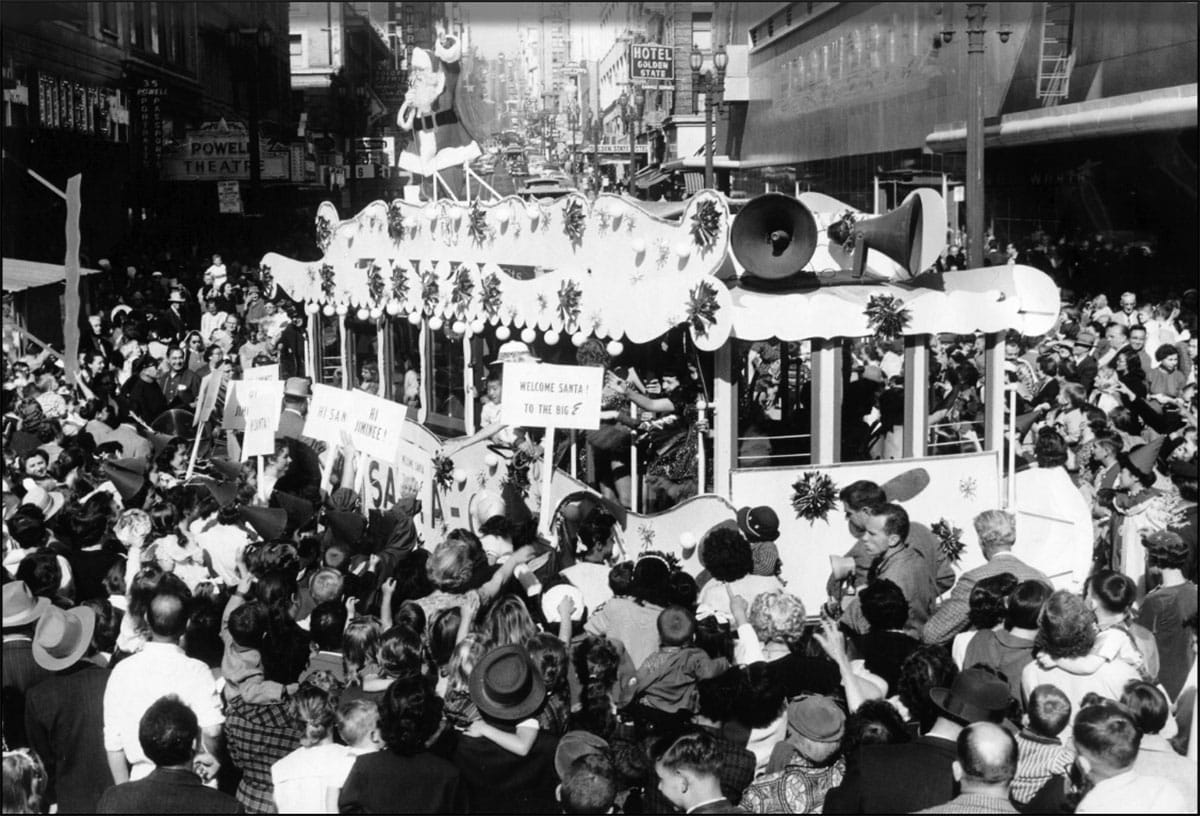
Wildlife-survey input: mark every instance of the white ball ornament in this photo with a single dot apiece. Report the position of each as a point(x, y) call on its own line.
point(528, 336)
point(687, 541)
point(502, 216)
point(435, 323)
point(393, 307)
point(683, 249)
point(477, 326)
point(328, 310)
point(503, 333)
point(460, 476)
point(491, 460)
point(362, 314)
point(376, 312)
point(614, 348)
point(312, 307)
point(578, 339)
point(414, 318)
point(638, 245)
point(459, 327)
point(551, 337)
point(342, 309)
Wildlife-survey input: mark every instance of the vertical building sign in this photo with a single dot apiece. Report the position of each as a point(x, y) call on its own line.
point(150, 96)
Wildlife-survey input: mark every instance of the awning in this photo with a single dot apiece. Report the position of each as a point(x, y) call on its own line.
point(20, 275)
point(645, 179)
point(1171, 108)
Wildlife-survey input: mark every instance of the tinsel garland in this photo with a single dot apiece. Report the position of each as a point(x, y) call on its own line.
point(375, 283)
point(328, 288)
point(949, 538)
point(706, 223)
point(464, 287)
point(574, 220)
point(399, 283)
point(477, 225)
point(443, 471)
point(395, 221)
point(670, 559)
point(518, 471)
point(489, 295)
point(886, 316)
point(814, 495)
point(568, 303)
point(702, 307)
point(429, 291)
point(324, 231)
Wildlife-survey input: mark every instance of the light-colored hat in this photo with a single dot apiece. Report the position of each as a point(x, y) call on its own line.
point(176, 296)
point(514, 351)
point(61, 638)
point(49, 502)
point(20, 605)
point(297, 387)
point(553, 596)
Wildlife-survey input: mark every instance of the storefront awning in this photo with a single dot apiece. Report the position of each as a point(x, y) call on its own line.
point(1171, 108)
point(647, 178)
point(20, 275)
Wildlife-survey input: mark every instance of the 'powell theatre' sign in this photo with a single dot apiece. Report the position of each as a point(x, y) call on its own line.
point(221, 154)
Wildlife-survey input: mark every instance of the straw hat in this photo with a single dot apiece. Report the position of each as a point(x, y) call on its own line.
point(61, 638)
point(49, 502)
point(21, 607)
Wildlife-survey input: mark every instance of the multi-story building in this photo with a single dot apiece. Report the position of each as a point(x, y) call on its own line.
point(117, 91)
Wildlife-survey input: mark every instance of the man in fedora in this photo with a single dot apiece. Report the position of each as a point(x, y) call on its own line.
point(172, 323)
point(296, 393)
point(507, 689)
point(1085, 363)
point(22, 611)
point(63, 714)
point(919, 774)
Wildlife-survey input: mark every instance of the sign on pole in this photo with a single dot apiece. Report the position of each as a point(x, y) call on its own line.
point(234, 418)
point(262, 399)
point(536, 395)
point(378, 425)
point(652, 65)
point(330, 412)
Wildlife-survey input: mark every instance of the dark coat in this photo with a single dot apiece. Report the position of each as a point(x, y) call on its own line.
point(896, 778)
point(167, 790)
point(501, 782)
point(384, 782)
point(64, 718)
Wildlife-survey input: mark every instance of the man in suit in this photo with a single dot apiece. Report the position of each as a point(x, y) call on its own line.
point(689, 774)
point(910, 776)
point(997, 533)
point(986, 765)
point(169, 733)
point(296, 393)
point(1085, 364)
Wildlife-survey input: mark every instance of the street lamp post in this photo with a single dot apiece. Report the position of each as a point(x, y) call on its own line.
point(264, 38)
point(631, 105)
point(712, 88)
point(572, 122)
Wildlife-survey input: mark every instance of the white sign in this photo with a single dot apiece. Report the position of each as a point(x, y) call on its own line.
point(261, 415)
point(378, 425)
point(551, 396)
point(234, 418)
point(383, 480)
point(330, 412)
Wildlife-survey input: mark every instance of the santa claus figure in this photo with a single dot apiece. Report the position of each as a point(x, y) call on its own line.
point(440, 137)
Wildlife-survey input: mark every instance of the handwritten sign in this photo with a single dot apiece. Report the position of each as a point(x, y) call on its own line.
point(551, 396)
point(330, 412)
point(383, 479)
point(234, 418)
point(378, 424)
point(261, 398)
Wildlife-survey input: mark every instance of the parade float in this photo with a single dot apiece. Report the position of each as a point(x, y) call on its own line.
point(457, 278)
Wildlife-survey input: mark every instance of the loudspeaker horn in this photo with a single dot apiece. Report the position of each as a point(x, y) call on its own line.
point(773, 238)
point(912, 235)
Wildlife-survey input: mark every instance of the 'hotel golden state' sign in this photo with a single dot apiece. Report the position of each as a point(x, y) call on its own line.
point(218, 155)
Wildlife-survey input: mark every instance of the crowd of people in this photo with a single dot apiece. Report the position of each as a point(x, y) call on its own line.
point(215, 637)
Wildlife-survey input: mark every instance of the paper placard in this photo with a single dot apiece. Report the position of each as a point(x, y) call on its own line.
point(378, 424)
point(537, 395)
point(382, 481)
point(260, 437)
point(330, 412)
point(234, 416)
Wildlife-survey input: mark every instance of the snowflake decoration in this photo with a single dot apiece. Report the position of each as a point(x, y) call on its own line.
point(968, 487)
point(646, 535)
point(637, 277)
point(510, 315)
point(544, 219)
point(595, 319)
point(663, 252)
point(629, 225)
point(675, 320)
point(605, 220)
point(542, 303)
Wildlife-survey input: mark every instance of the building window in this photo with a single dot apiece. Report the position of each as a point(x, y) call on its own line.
point(296, 50)
point(143, 28)
point(109, 24)
point(72, 14)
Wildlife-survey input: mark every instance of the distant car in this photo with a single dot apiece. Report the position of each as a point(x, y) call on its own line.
point(538, 187)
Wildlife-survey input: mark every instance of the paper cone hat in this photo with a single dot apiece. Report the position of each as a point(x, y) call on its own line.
point(269, 522)
point(907, 485)
point(223, 468)
point(347, 527)
point(1143, 457)
point(160, 441)
point(1025, 422)
point(127, 475)
point(224, 492)
point(299, 511)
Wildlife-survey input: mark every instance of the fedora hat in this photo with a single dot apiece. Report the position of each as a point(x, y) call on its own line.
point(61, 638)
point(128, 476)
point(269, 522)
point(1085, 339)
point(574, 745)
point(505, 684)
point(49, 502)
point(758, 523)
point(975, 696)
point(297, 387)
point(20, 605)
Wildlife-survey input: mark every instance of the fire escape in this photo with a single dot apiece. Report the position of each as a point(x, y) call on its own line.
point(1057, 57)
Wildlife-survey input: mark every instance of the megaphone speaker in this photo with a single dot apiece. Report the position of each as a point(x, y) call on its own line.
point(912, 235)
point(773, 238)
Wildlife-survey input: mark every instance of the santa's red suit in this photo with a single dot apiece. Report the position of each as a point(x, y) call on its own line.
point(440, 139)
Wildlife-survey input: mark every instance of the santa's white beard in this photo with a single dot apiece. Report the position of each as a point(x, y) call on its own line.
point(425, 94)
